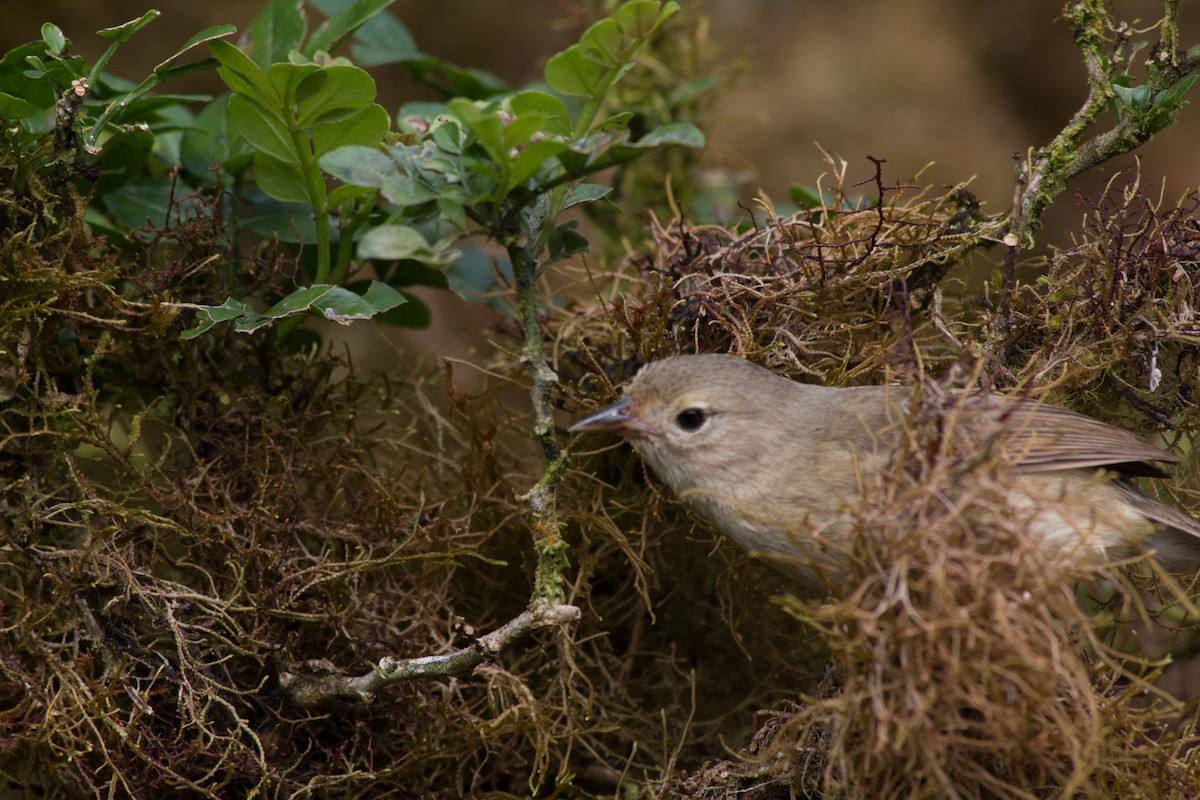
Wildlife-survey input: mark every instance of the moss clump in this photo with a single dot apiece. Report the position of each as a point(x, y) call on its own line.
point(185, 522)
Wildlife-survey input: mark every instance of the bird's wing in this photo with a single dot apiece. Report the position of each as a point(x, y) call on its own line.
point(1044, 438)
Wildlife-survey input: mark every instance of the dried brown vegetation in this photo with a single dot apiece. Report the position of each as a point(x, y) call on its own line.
point(966, 665)
point(185, 522)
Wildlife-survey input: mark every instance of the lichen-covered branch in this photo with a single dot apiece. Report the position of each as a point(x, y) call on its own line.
point(1140, 113)
point(315, 682)
point(312, 683)
point(551, 548)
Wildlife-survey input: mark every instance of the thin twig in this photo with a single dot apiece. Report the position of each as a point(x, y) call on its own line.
point(310, 690)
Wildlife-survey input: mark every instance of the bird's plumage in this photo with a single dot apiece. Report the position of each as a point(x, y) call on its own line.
point(779, 466)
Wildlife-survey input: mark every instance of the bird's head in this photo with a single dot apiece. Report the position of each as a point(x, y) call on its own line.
point(684, 413)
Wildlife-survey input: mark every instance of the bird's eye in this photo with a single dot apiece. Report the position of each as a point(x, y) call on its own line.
point(691, 419)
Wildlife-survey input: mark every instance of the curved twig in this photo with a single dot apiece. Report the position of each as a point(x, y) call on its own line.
point(313, 683)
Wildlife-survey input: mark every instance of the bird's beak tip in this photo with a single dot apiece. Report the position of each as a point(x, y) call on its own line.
point(617, 417)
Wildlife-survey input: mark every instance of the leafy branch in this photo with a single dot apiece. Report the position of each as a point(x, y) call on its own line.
point(505, 168)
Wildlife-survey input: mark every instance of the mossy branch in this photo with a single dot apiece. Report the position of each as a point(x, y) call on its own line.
point(313, 683)
point(552, 549)
point(1043, 173)
point(323, 684)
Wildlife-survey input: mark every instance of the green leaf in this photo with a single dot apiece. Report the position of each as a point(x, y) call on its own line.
point(210, 141)
point(122, 33)
point(641, 18)
point(346, 193)
point(448, 136)
point(14, 107)
point(404, 191)
point(420, 117)
point(291, 222)
point(531, 159)
point(297, 302)
point(284, 78)
point(277, 31)
point(690, 91)
point(602, 42)
point(280, 179)
point(407, 272)
point(366, 128)
point(586, 193)
point(589, 145)
point(358, 165)
point(413, 314)
point(123, 156)
point(679, 133)
point(162, 111)
point(453, 212)
point(393, 242)
point(570, 73)
point(384, 40)
point(53, 36)
point(141, 202)
point(242, 75)
point(521, 129)
point(36, 87)
point(118, 36)
point(333, 302)
point(616, 122)
point(208, 316)
point(390, 242)
point(207, 35)
point(475, 84)
point(342, 25)
point(674, 133)
point(473, 278)
point(333, 93)
point(1136, 98)
point(805, 196)
point(556, 120)
point(565, 241)
point(262, 128)
point(1169, 100)
point(486, 126)
point(344, 306)
point(39, 68)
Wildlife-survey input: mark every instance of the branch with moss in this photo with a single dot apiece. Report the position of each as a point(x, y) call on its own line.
point(316, 682)
point(551, 548)
point(313, 683)
point(1139, 113)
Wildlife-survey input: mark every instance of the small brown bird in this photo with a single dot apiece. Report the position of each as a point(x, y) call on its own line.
point(780, 466)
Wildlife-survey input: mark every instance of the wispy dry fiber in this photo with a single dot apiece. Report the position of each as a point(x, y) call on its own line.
point(967, 667)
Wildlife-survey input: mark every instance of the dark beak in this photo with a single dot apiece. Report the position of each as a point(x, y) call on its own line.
point(617, 417)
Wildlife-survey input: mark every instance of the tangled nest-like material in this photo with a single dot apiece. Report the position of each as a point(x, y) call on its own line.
point(186, 521)
point(966, 663)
